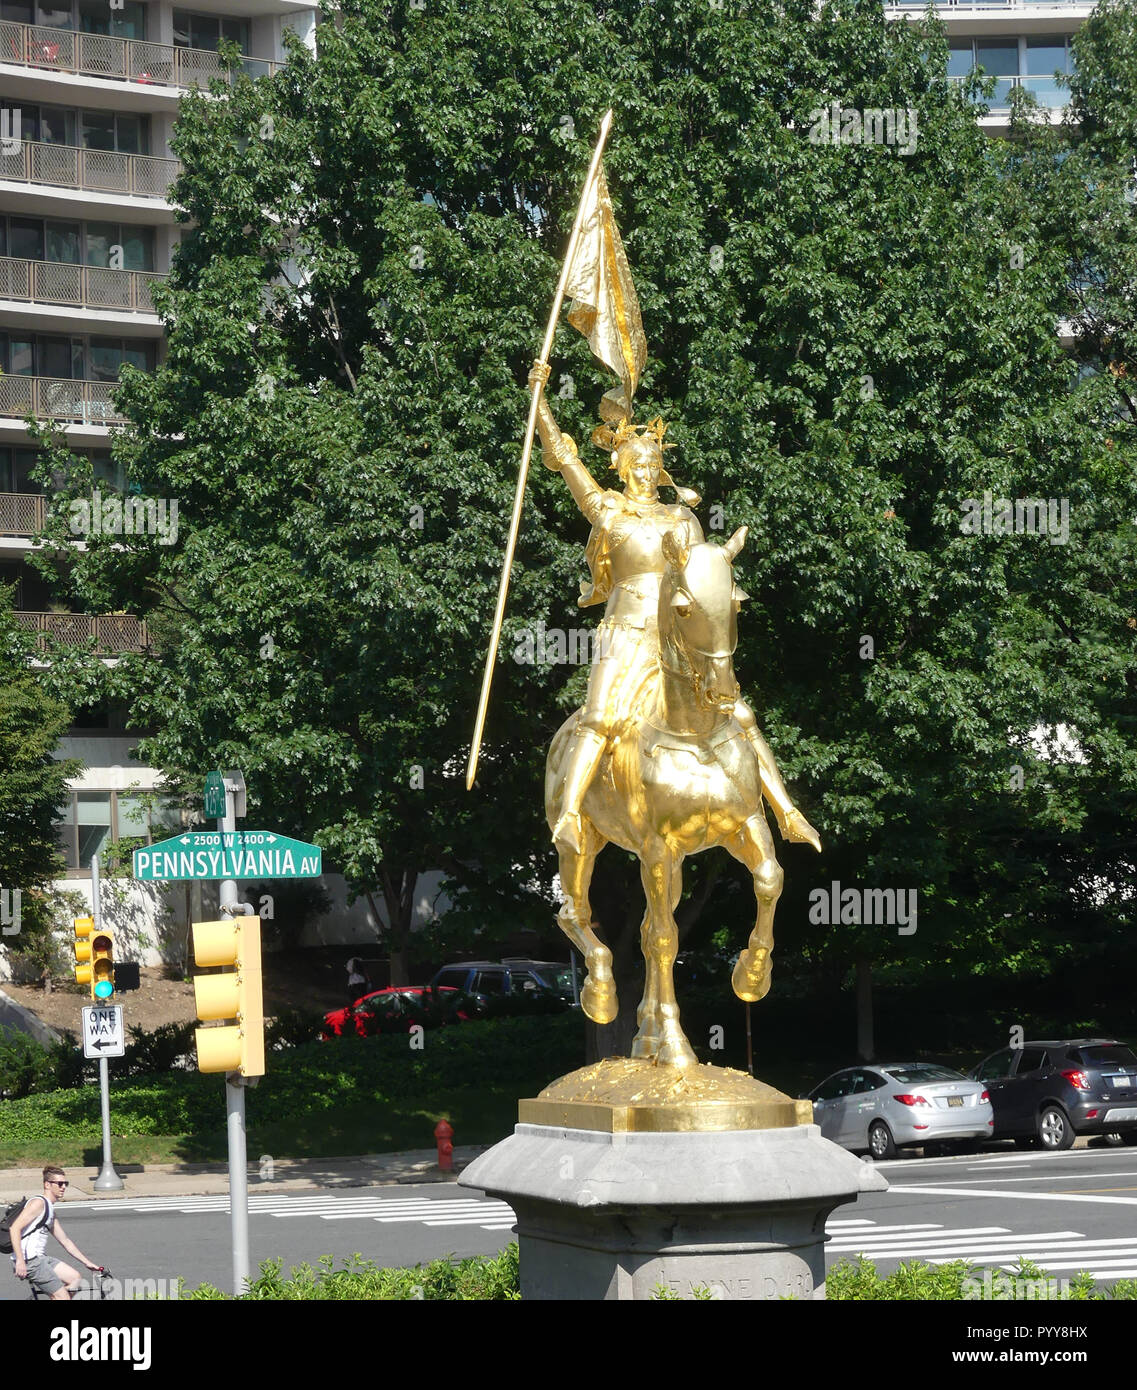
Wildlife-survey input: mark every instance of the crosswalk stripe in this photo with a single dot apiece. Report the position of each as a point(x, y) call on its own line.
point(935, 1233)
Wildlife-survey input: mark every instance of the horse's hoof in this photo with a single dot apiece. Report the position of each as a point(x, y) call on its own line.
point(568, 834)
point(598, 1000)
point(646, 1049)
point(751, 978)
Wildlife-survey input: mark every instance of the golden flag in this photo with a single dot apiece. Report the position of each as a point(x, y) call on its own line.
point(604, 305)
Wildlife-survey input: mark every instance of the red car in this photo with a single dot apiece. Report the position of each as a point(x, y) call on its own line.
point(395, 1010)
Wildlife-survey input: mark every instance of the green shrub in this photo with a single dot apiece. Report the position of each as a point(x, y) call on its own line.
point(292, 1028)
point(166, 1049)
point(481, 1277)
point(26, 1066)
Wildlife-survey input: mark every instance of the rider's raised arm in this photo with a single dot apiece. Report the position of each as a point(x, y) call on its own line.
point(559, 453)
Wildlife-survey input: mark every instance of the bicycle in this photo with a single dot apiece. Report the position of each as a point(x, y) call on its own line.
point(101, 1289)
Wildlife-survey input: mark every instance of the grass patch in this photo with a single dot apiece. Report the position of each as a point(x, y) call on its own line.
point(318, 1100)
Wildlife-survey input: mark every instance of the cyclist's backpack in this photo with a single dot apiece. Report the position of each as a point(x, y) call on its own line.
point(10, 1213)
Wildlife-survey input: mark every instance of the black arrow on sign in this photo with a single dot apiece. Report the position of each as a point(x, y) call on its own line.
point(102, 1042)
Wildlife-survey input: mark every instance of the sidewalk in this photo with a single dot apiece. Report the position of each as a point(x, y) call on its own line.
point(279, 1175)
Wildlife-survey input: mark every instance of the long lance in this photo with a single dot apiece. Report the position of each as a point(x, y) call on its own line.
point(523, 473)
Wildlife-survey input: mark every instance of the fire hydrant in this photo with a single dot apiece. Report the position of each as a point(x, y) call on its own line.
point(444, 1136)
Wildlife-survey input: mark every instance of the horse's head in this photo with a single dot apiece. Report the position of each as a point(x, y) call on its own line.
point(698, 608)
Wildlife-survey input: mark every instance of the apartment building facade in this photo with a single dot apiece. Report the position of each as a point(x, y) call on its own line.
point(89, 93)
point(1021, 43)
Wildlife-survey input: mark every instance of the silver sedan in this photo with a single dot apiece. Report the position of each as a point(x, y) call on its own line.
point(893, 1105)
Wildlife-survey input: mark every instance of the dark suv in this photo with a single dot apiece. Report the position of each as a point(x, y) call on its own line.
point(514, 976)
point(1048, 1092)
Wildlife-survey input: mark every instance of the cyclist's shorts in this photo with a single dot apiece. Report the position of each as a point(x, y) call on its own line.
point(42, 1275)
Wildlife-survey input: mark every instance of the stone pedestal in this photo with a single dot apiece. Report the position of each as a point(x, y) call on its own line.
point(616, 1210)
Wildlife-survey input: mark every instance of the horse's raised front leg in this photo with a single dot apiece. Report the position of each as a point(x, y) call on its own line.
point(754, 846)
point(659, 870)
point(598, 996)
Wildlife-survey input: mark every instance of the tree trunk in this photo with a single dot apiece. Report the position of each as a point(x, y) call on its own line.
point(398, 888)
point(865, 1048)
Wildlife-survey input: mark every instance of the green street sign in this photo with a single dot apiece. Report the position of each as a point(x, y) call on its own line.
point(218, 854)
point(214, 796)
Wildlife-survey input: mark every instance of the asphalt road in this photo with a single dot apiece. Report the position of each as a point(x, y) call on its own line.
point(1066, 1212)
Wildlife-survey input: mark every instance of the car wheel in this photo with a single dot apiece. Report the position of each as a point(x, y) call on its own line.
point(1129, 1136)
point(881, 1144)
point(1054, 1129)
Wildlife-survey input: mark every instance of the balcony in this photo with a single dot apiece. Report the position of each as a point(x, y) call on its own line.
point(1045, 90)
point(112, 633)
point(119, 60)
point(98, 171)
point(84, 286)
point(56, 398)
point(22, 513)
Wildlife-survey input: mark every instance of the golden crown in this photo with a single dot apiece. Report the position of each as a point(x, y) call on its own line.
point(607, 437)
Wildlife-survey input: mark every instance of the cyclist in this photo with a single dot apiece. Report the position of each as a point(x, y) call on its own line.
point(29, 1233)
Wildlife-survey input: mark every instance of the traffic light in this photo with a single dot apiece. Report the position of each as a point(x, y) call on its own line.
point(84, 926)
point(102, 964)
point(239, 1046)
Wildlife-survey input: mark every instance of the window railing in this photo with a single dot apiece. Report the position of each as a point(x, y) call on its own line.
point(1045, 90)
point(112, 633)
point(1079, 6)
point(99, 171)
point(85, 286)
point(22, 513)
point(56, 398)
point(121, 60)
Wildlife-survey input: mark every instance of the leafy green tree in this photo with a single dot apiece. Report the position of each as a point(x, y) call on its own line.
point(33, 785)
point(850, 341)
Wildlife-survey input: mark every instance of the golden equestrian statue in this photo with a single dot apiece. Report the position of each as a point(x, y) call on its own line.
point(664, 758)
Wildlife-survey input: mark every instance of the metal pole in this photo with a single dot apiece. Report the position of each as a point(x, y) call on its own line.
point(108, 1180)
point(235, 1104)
point(530, 430)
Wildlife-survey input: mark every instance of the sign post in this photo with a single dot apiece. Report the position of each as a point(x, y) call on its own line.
point(226, 855)
point(234, 1081)
point(108, 1180)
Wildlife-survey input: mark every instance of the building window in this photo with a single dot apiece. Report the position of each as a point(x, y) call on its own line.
point(93, 130)
point(89, 821)
point(16, 470)
point(113, 245)
point(74, 359)
point(1023, 61)
point(206, 30)
point(88, 16)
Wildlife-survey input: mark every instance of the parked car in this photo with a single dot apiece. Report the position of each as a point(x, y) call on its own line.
point(486, 978)
point(1046, 1093)
point(895, 1105)
point(395, 1010)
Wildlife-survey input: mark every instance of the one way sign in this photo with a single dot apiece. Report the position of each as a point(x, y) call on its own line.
point(103, 1031)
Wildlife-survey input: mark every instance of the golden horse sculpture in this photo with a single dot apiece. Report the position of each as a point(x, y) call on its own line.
point(680, 775)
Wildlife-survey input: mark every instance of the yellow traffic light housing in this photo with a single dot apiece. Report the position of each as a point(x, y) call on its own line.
point(84, 926)
point(102, 964)
point(238, 1046)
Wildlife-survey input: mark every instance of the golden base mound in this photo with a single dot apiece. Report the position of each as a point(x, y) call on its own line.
point(623, 1095)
